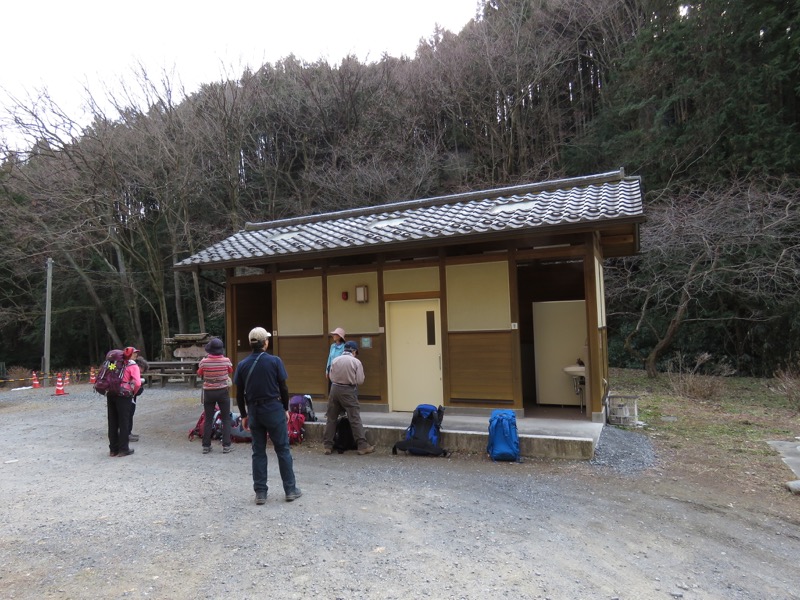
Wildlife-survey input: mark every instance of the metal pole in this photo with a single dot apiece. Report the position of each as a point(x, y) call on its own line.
point(47, 311)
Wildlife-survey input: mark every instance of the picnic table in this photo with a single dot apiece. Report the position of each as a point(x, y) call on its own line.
point(164, 371)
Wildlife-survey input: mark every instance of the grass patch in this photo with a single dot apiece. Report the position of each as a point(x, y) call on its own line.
point(728, 430)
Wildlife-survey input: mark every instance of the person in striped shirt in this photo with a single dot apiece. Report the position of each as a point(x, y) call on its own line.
point(215, 370)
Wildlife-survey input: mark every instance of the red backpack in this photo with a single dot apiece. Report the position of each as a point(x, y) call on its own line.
point(296, 426)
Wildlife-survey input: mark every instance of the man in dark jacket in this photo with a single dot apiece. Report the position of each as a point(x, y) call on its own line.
point(263, 400)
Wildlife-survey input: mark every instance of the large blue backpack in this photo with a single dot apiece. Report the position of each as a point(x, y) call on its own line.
point(503, 437)
point(424, 434)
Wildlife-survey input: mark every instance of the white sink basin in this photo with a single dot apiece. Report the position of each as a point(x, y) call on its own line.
point(575, 371)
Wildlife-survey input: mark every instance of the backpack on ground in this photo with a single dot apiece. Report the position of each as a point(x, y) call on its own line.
point(296, 426)
point(424, 434)
point(109, 377)
point(239, 435)
point(503, 438)
point(197, 430)
point(216, 428)
point(343, 439)
point(304, 406)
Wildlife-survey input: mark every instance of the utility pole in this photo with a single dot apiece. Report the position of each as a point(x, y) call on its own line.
point(47, 310)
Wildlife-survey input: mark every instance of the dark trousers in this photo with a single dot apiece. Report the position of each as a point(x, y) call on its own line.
point(119, 419)
point(130, 420)
point(263, 420)
point(344, 399)
point(212, 399)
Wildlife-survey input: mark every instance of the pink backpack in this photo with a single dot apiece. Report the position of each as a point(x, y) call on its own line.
point(296, 426)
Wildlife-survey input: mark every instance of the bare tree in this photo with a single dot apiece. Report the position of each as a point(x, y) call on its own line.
point(727, 253)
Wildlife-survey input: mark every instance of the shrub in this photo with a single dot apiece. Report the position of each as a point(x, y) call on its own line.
point(788, 382)
point(702, 381)
point(15, 374)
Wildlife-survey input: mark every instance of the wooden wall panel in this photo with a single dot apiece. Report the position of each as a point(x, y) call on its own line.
point(305, 357)
point(481, 368)
point(374, 362)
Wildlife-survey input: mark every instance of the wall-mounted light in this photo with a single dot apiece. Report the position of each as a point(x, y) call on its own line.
point(362, 294)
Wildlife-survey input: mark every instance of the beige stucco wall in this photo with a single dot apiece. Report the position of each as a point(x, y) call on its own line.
point(478, 297)
point(423, 279)
point(349, 314)
point(299, 306)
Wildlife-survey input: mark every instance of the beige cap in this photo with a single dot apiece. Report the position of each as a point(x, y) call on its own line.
point(259, 334)
point(338, 331)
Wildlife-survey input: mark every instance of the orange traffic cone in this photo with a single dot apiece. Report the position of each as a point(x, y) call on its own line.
point(35, 383)
point(92, 376)
point(60, 386)
point(66, 380)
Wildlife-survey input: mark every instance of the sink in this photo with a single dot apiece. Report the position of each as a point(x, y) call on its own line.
point(575, 370)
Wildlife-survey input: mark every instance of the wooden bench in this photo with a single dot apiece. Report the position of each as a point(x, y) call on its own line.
point(172, 370)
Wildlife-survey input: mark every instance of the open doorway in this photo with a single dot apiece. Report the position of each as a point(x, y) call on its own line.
point(252, 307)
point(539, 281)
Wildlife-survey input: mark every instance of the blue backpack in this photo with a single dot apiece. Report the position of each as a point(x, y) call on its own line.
point(503, 437)
point(423, 435)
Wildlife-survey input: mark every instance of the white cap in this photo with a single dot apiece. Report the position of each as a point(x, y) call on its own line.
point(259, 334)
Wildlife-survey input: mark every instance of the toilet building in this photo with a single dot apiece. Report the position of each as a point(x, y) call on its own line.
point(480, 300)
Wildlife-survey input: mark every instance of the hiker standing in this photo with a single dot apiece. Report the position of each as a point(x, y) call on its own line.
point(263, 400)
point(336, 350)
point(346, 374)
point(215, 370)
point(135, 355)
point(119, 409)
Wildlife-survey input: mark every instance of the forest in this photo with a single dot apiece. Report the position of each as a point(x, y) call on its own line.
point(700, 99)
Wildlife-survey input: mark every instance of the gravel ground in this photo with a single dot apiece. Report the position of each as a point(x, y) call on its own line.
point(624, 451)
point(169, 522)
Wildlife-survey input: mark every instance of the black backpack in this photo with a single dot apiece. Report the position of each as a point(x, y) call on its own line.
point(424, 434)
point(343, 438)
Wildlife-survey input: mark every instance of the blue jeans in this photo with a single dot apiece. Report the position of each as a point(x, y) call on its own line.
point(265, 420)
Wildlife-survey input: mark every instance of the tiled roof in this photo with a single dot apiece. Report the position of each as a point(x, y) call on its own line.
point(595, 199)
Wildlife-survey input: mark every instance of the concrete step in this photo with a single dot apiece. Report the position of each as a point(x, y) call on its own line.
point(545, 445)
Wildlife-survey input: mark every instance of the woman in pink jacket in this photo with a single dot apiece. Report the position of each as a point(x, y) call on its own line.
point(119, 407)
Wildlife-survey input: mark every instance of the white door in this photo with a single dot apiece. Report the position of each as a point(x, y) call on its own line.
point(414, 353)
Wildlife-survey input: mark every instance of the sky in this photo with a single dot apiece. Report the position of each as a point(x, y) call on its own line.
point(64, 46)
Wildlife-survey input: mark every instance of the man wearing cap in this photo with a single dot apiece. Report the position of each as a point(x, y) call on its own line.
point(346, 374)
point(263, 400)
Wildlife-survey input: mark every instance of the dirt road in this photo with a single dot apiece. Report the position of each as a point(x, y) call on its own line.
point(169, 522)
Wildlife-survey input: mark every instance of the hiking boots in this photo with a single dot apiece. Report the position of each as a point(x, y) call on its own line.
point(126, 453)
point(134, 437)
point(227, 449)
point(293, 495)
point(261, 497)
point(366, 450)
point(206, 449)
